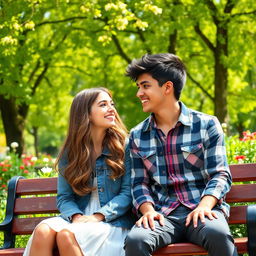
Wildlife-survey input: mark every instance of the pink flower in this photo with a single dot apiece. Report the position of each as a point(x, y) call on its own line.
point(25, 171)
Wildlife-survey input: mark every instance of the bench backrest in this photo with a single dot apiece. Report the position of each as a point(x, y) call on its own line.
point(38, 197)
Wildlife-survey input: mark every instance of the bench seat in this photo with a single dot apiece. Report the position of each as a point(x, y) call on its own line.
point(31, 200)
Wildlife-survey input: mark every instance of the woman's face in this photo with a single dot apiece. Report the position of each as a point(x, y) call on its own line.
point(103, 112)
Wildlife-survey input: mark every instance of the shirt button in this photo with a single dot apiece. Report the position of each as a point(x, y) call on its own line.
point(101, 189)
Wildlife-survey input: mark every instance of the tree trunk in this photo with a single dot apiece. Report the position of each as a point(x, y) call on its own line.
point(35, 135)
point(221, 74)
point(13, 118)
point(173, 42)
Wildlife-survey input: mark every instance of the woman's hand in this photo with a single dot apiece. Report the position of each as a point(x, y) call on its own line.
point(96, 217)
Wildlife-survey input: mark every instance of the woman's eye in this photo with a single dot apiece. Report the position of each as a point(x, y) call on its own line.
point(103, 105)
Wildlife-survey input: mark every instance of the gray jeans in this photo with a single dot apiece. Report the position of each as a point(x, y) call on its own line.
point(214, 235)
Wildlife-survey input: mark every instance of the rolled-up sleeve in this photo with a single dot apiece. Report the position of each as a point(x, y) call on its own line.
point(216, 165)
point(139, 178)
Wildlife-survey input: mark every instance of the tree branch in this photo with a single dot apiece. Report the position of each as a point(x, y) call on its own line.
point(173, 42)
point(61, 21)
point(243, 13)
point(70, 67)
point(229, 6)
point(86, 31)
point(204, 38)
point(48, 81)
point(120, 49)
point(213, 9)
point(46, 65)
point(143, 39)
point(37, 66)
point(39, 78)
point(200, 86)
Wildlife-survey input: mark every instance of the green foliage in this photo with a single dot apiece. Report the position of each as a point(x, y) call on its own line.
point(27, 166)
point(49, 50)
point(241, 150)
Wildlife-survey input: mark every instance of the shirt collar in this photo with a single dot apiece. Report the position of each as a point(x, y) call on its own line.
point(185, 115)
point(184, 118)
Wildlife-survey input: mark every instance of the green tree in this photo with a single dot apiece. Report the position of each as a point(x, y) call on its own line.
point(52, 49)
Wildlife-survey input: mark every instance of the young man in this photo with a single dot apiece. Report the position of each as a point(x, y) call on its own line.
point(180, 174)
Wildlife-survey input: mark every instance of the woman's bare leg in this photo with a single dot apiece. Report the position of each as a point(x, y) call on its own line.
point(43, 242)
point(67, 244)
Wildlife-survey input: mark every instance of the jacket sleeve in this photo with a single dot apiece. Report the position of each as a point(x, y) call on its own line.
point(121, 203)
point(66, 198)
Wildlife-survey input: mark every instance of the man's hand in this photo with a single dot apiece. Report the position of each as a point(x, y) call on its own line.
point(147, 220)
point(203, 209)
point(149, 216)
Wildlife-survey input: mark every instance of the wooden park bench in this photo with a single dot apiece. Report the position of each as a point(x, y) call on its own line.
point(28, 199)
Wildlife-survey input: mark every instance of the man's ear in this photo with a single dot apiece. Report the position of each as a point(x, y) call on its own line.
point(168, 87)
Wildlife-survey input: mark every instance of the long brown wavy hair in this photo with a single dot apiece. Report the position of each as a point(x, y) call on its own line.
point(78, 145)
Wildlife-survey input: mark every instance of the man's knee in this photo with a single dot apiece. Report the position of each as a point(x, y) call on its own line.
point(138, 243)
point(218, 237)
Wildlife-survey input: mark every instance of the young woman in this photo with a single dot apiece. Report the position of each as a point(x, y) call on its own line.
point(93, 184)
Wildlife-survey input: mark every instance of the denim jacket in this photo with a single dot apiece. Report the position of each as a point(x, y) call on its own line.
point(114, 195)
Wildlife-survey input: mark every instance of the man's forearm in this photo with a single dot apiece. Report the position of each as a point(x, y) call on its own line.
point(208, 201)
point(146, 207)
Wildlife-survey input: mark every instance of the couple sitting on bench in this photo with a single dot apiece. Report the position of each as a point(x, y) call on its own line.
point(173, 171)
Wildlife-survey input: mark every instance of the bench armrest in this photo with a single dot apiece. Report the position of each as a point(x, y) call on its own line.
point(6, 225)
point(251, 229)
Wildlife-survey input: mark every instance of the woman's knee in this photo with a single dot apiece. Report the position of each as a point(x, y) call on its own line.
point(43, 235)
point(44, 231)
point(65, 238)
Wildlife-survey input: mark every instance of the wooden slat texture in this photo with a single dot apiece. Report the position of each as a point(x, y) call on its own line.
point(243, 172)
point(238, 214)
point(12, 252)
point(18, 252)
point(37, 186)
point(189, 249)
point(25, 226)
point(47, 204)
point(35, 205)
point(242, 193)
point(172, 250)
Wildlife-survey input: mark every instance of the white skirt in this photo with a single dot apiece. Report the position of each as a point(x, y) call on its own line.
point(94, 238)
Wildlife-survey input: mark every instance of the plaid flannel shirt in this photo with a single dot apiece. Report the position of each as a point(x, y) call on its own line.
point(189, 164)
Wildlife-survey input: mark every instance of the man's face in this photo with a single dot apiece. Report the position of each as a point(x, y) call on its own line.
point(150, 93)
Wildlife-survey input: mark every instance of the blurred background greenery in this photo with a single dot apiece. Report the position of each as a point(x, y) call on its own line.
point(51, 49)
